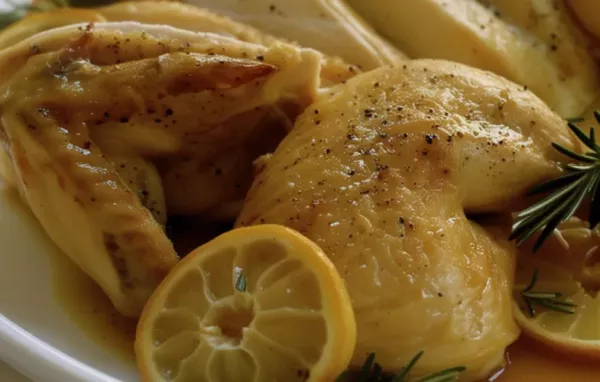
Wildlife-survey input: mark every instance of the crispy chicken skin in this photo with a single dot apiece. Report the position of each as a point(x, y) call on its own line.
point(382, 176)
point(92, 114)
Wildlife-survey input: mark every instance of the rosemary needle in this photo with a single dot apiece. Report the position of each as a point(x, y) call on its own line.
point(371, 371)
point(575, 120)
point(549, 300)
point(240, 283)
point(566, 193)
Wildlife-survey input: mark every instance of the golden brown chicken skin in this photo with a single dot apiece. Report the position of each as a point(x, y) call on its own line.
point(382, 175)
point(92, 114)
point(176, 14)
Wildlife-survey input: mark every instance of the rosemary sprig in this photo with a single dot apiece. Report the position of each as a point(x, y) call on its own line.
point(566, 193)
point(19, 11)
point(241, 282)
point(549, 300)
point(371, 371)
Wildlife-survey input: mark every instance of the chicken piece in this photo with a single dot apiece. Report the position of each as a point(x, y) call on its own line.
point(384, 185)
point(188, 17)
point(191, 17)
point(531, 42)
point(587, 12)
point(141, 177)
point(37, 22)
point(221, 180)
point(83, 88)
point(327, 25)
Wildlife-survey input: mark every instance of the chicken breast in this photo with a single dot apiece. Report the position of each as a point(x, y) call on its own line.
point(383, 176)
point(534, 43)
point(327, 25)
point(587, 12)
point(89, 112)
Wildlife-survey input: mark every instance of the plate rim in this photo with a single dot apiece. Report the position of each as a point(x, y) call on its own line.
point(40, 361)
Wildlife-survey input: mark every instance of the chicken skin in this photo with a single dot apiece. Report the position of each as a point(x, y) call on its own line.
point(175, 14)
point(383, 175)
point(92, 115)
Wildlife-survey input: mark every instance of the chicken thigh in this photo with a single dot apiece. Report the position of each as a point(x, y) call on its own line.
point(383, 175)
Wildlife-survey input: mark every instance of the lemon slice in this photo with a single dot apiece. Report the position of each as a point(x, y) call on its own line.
point(261, 303)
point(564, 265)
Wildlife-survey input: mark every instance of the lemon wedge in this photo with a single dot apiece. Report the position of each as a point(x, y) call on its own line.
point(261, 303)
point(567, 264)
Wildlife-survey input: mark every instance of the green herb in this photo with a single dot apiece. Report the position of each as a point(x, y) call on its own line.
point(371, 371)
point(240, 283)
point(20, 10)
point(575, 119)
point(566, 193)
point(549, 300)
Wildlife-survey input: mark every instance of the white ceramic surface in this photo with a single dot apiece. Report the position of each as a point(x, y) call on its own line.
point(8, 374)
point(37, 337)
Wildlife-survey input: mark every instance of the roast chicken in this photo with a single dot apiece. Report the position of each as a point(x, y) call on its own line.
point(114, 124)
point(535, 43)
point(96, 119)
point(385, 176)
point(331, 26)
point(183, 16)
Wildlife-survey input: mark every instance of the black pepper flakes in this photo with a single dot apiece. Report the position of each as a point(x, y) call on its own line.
point(260, 58)
point(429, 138)
point(369, 113)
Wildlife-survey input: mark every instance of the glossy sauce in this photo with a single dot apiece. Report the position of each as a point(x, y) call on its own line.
point(91, 310)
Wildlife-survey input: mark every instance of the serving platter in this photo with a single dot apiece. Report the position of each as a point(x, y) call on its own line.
point(57, 325)
point(37, 336)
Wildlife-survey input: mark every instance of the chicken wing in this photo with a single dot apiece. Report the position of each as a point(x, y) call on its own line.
point(183, 16)
point(90, 110)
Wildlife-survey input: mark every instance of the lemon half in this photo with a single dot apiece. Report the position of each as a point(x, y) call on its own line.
point(569, 264)
point(261, 303)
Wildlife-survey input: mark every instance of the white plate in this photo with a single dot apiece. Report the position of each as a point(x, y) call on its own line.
point(37, 336)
